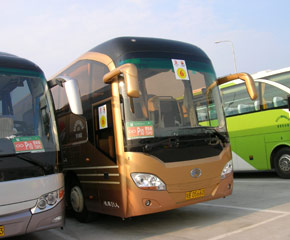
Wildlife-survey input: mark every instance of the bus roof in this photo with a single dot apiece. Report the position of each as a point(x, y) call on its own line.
point(8, 60)
point(268, 73)
point(117, 47)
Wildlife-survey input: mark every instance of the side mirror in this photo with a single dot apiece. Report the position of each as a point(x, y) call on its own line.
point(247, 78)
point(72, 92)
point(130, 74)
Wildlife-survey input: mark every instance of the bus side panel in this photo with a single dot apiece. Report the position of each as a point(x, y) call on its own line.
point(249, 134)
point(252, 150)
point(98, 176)
point(275, 140)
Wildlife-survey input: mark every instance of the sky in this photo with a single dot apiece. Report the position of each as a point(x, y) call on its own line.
point(54, 33)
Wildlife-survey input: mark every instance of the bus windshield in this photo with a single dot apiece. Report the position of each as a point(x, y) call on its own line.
point(26, 114)
point(173, 99)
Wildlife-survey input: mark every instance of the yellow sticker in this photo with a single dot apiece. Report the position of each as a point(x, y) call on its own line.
point(2, 231)
point(180, 69)
point(181, 73)
point(103, 123)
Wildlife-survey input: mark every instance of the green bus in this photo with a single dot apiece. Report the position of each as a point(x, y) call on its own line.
point(259, 130)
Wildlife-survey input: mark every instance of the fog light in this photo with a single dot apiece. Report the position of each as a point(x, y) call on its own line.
point(56, 219)
point(147, 203)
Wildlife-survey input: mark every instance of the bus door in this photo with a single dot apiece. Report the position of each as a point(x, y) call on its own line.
point(109, 186)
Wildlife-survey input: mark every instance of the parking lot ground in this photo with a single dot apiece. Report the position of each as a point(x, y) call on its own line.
point(258, 209)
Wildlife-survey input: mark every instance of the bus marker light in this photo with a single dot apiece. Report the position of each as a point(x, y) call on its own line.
point(61, 193)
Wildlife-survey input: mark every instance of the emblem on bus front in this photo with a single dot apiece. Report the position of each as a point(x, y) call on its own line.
point(196, 172)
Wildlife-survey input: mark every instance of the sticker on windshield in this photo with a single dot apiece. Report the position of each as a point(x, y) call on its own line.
point(28, 144)
point(140, 129)
point(103, 117)
point(180, 69)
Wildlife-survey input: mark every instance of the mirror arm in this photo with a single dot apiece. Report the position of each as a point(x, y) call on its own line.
point(130, 74)
point(247, 78)
point(72, 92)
point(55, 82)
point(109, 77)
point(131, 105)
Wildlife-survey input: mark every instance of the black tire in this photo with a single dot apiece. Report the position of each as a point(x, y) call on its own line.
point(76, 202)
point(282, 162)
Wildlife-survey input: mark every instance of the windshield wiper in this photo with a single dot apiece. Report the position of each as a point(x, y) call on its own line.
point(27, 159)
point(209, 131)
point(169, 141)
point(218, 134)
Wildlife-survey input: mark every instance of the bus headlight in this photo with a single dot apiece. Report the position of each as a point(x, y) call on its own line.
point(48, 201)
point(228, 168)
point(148, 181)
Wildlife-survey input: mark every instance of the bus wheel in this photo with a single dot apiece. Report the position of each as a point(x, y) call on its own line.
point(77, 202)
point(282, 162)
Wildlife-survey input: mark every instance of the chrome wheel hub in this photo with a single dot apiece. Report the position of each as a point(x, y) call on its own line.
point(77, 199)
point(284, 163)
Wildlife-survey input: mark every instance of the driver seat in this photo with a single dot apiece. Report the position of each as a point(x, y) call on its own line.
point(6, 127)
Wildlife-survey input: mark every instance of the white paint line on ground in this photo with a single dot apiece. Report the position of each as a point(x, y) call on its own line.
point(248, 227)
point(281, 215)
point(261, 181)
point(244, 208)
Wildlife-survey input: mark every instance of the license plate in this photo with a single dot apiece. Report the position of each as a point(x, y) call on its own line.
point(1, 231)
point(194, 194)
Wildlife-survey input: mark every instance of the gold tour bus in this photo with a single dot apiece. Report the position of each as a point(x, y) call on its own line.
point(146, 141)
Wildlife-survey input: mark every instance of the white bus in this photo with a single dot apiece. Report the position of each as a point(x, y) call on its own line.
point(31, 182)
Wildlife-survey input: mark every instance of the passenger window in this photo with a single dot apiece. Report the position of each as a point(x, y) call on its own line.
point(89, 75)
point(237, 101)
point(273, 97)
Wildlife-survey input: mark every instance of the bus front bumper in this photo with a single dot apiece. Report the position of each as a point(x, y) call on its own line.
point(24, 222)
point(147, 202)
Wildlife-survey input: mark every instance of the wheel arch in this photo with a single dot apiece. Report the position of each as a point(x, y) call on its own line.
point(69, 178)
point(273, 153)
